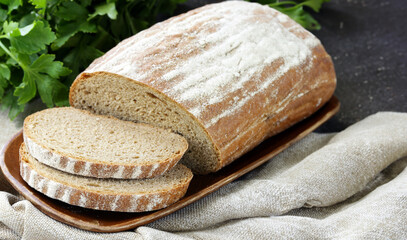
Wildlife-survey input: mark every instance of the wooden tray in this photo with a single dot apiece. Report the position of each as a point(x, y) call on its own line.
point(104, 221)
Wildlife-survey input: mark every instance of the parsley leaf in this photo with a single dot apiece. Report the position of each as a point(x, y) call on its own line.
point(4, 78)
point(27, 88)
point(47, 72)
point(108, 9)
point(9, 102)
point(42, 74)
point(39, 4)
point(8, 27)
point(12, 4)
point(296, 11)
point(46, 64)
point(3, 15)
point(68, 29)
point(32, 38)
point(70, 11)
point(72, 19)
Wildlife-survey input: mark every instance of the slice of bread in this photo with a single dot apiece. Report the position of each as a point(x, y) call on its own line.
point(78, 142)
point(122, 195)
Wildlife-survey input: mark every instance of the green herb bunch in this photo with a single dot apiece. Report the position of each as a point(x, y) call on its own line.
point(44, 44)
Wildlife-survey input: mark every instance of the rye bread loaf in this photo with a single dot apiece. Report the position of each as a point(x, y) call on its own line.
point(122, 195)
point(79, 142)
point(226, 76)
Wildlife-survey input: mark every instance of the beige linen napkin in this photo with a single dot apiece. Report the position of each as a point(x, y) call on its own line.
point(349, 185)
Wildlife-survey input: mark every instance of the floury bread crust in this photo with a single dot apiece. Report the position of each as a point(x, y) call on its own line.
point(225, 76)
point(79, 142)
point(106, 194)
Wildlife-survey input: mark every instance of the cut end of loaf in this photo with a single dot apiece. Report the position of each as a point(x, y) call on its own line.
point(133, 101)
point(82, 143)
point(105, 194)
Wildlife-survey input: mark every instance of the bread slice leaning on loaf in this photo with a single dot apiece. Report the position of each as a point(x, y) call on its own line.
point(79, 142)
point(226, 76)
point(131, 195)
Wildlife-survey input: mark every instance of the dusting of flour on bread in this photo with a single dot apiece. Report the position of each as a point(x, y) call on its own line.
point(230, 56)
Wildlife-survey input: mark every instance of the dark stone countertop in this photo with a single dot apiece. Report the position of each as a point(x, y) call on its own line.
point(367, 40)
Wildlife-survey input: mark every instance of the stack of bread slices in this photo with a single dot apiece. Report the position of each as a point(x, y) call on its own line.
point(101, 162)
point(225, 76)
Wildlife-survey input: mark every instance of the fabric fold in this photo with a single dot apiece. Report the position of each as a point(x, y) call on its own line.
point(337, 170)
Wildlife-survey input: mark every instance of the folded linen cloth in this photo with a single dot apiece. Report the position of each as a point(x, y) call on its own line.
point(349, 185)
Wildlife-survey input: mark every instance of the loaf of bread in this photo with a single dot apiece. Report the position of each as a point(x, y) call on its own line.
point(120, 195)
point(79, 142)
point(226, 76)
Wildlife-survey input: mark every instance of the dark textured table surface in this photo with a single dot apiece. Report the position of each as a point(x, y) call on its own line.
point(367, 40)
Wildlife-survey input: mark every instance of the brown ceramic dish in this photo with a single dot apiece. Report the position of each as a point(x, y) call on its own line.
point(201, 185)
